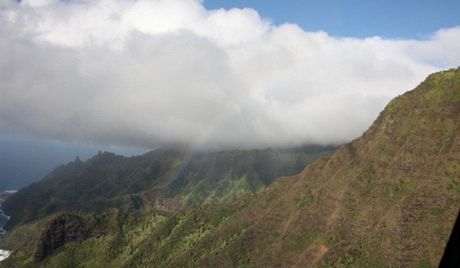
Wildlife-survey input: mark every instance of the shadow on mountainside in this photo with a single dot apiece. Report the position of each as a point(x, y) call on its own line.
point(451, 257)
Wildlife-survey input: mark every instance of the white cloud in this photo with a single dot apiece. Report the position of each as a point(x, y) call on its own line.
point(150, 73)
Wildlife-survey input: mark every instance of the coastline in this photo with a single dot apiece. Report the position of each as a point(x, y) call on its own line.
point(4, 254)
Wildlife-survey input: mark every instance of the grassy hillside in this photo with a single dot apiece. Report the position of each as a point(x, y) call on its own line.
point(165, 179)
point(387, 199)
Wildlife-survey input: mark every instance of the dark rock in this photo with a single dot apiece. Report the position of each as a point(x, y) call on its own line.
point(63, 229)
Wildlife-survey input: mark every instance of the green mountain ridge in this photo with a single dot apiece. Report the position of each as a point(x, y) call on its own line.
point(165, 179)
point(387, 199)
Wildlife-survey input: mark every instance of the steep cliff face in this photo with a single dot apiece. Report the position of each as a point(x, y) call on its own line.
point(389, 197)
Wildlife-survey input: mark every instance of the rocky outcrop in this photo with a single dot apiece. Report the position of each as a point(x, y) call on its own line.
point(63, 229)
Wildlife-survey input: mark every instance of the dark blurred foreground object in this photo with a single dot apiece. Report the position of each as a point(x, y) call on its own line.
point(451, 257)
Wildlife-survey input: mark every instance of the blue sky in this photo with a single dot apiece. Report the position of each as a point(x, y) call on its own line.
point(357, 18)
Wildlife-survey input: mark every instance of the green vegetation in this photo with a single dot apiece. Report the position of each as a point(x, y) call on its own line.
point(388, 199)
point(164, 179)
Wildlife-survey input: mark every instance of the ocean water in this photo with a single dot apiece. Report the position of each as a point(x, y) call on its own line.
point(3, 219)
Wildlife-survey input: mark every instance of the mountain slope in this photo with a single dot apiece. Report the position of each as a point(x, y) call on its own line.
point(387, 199)
point(166, 179)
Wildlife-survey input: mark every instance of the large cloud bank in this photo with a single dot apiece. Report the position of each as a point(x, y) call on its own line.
point(160, 72)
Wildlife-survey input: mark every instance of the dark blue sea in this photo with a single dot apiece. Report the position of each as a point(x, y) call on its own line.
point(3, 219)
